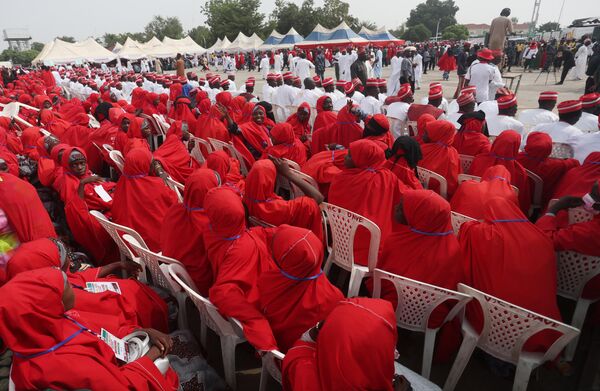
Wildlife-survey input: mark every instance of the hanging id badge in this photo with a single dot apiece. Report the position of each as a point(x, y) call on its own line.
point(100, 286)
point(118, 346)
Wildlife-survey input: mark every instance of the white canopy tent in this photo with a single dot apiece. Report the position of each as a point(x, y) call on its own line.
point(239, 43)
point(132, 50)
point(184, 46)
point(92, 51)
point(273, 39)
point(220, 45)
point(61, 52)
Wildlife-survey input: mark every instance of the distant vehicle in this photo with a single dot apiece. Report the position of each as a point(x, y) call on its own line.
point(581, 27)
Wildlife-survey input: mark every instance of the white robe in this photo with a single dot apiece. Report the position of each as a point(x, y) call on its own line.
point(561, 132)
point(588, 123)
point(277, 64)
point(418, 61)
point(499, 123)
point(284, 95)
point(303, 67)
point(264, 67)
point(581, 62)
point(370, 105)
point(534, 117)
point(393, 84)
point(586, 144)
point(308, 96)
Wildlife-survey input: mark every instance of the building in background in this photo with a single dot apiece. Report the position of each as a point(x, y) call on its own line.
point(18, 39)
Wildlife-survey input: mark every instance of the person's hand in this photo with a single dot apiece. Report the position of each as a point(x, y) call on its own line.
point(92, 179)
point(154, 353)
point(222, 109)
point(565, 202)
point(349, 105)
point(162, 341)
point(132, 268)
point(282, 167)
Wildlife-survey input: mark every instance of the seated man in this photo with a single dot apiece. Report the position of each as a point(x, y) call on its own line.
point(543, 114)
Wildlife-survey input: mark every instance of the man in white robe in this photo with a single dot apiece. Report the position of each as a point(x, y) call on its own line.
point(563, 130)
point(543, 114)
point(581, 57)
point(393, 84)
point(588, 123)
point(418, 66)
point(303, 67)
point(263, 66)
point(505, 120)
point(277, 62)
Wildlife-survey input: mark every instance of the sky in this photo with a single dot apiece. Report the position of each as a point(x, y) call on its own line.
point(81, 19)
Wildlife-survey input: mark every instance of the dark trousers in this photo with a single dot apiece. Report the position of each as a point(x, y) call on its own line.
point(565, 70)
point(425, 65)
point(337, 71)
point(321, 73)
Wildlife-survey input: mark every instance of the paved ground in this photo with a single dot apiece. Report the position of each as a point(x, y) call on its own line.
point(527, 94)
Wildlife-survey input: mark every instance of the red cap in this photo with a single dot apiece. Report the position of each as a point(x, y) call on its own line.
point(288, 76)
point(297, 81)
point(225, 83)
point(341, 83)
point(328, 81)
point(507, 101)
point(503, 91)
point(485, 54)
point(404, 91)
point(356, 82)
point(569, 106)
point(465, 98)
point(372, 83)
point(435, 92)
point(381, 82)
point(435, 84)
point(316, 79)
point(250, 83)
point(214, 79)
point(271, 76)
point(348, 87)
point(590, 100)
point(468, 89)
point(548, 95)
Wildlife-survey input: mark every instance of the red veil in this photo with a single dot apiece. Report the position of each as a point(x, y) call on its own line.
point(324, 118)
point(210, 123)
point(286, 144)
point(184, 226)
point(174, 155)
point(324, 166)
point(439, 155)
point(253, 135)
point(469, 139)
point(579, 180)
point(346, 129)
point(228, 169)
point(301, 128)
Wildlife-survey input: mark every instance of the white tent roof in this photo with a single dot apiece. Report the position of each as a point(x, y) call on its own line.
point(272, 39)
point(132, 50)
point(216, 46)
point(61, 52)
point(254, 42)
point(92, 51)
point(239, 43)
point(185, 45)
point(117, 48)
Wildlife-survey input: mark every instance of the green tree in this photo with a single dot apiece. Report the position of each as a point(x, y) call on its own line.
point(19, 58)
point(335, 12)
point(432, 11)
point(160, 27)
point(418, 33)
point(549, 26)
point(203, 36)
point(37, 46)
point(67, 39)
point(456, 32)
point(110, 39)
point(229, 17)
point(287, 15)
point(398, 32)
point(364, 23)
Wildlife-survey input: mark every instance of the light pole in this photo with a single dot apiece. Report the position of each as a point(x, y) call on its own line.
point(437, 30)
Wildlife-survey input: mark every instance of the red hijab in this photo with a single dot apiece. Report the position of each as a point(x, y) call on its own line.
point(24, 210)
point(504, 152)
point(138, 96)
point(296, 295)
point(78, 134)
point(237, 108)
point(183, 112)
point(29, 139)
point(346, 129)
point(439, 155)
point(324, 118)
point(228, 169)
point(301, 128)
point(149, 106)
point(53, 123)
point(579, 180)
point(285, 144)
point(174, 155)
point(469, 139)
point(141, 201)
point(238, 257)
point(336, 362)
point(262, 202)
point(184, 226)
point(471, 197)
point(253, 135)
point(508, 257)
point(324, 166)
point(536, 159)
point(210, 124)
point(376, 201)
point(81, 360)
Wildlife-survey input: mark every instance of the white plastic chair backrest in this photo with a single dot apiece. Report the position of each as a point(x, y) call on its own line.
point(158, 130)
point(412, 125)
point(209, 315)
point(45, 133)
point(344, 224)
point(466, 161)
point(562, 151)
point(153, 261)
point(574, 271)
point(426, 175)
point(219, 145)
point(417, 300)
point(116, 231)
point(10, 110)
point(177, 187)
point(162, 124)
point(272, 362)
point(279, 112)
point(466, 177)
point(579, 215)
point(93, 122)
point(538, 187)
point(506, 327)
point(296, 192)
point(27, 106)
point(108, 148)
point(313, 117)
point(256, 222)
point(458, 220)
point(117, 158)
point(197, 151)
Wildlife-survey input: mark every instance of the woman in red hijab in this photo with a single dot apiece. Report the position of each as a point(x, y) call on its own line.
point(403, 160)
point(285, 144)
point(365, 165)
point(250, 138)
point(237, 107)
point(238, 257)
point(184, 226)
point(263, 203)
point(138, 97)
point(78, 134)
point(29, 139)
point(578, 181)
point(151, 101)
point(536, 159)
point(471, 196)
point(210, 123)
point(332, 356)
point(9, 140)
point(504, 152)
point(183, 112)
point(53, 123)
point(439, 155)
point(471, 139)
point(299, 121)
point(228, 169)
point(325, 114)
point(141, 200)
point(52, 350)
point(174, 155)
point(296, 295)
point(347, 128)
point(324, 166)
point(377, 128)
point(508, 257)
point(138, 132)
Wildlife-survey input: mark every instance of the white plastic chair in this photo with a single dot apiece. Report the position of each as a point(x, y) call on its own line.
point(279, 112)
point(210, 318)
point(108, 148)
point(219, 145)
point(397, 127)
point(94, 124)
point(158, 264)
point(117, 157)
point(411, 126)
point(562, 151)
point(116, 231)
point(425, 177)
point(162, 124)
point(417, 382)
point(416, 302)
point(538, 188)
point(196, 152)
point(465, 162)
point(177, 187)
point(506, 328)
point(271, 366)
point(344, 224)
point(458, 220)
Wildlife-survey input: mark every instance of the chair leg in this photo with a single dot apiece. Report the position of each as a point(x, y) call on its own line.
point(462, 359)
point(577, 321)
point(522, 375)
point(182, 320)
point(428, 352)
point(328, 263)
point(264, 378)
point(356, 277)
point(228, 345)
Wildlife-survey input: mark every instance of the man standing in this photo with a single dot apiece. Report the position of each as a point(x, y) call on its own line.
point(393, 84)
point(407, 73)
point(499, 29)
point(418, 69)
point(426, 59)
point(180, 66)
point(346, 60)
point(378, 63)
point(264, 66)
point(480, 74)
point(320, 64)
point(277, 63)
point(303, 67)
point(358, 69)
point(568, 61)
point(581, 58)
